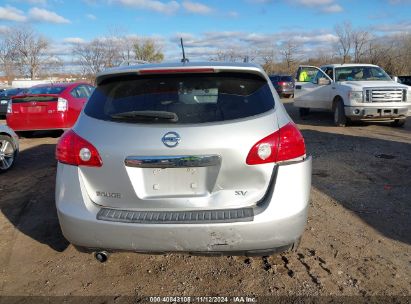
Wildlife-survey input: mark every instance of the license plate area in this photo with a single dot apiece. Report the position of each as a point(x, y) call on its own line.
point(173, 176)
point(170, 182)
point(33, 109)
point(387, 112)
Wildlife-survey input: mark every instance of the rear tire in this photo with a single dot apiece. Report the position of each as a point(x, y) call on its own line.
point(340, 120)
point(8, 153)
point(398, 123)
point(304, 111)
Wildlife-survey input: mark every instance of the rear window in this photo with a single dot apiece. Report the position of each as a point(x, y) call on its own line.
point(46, 90)
point(23, 99)
point(180, 99)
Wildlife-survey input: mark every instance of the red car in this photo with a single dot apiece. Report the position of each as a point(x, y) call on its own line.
point(48, 106)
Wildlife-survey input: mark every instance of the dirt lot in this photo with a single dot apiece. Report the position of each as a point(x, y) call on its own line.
point(357, 241)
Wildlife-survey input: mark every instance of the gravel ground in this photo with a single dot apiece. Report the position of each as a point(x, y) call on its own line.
point(356, 244)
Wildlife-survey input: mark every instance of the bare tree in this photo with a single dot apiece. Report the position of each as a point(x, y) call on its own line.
point(344, 33)
point(30, 49)
point(404, 54)
point(126, 49)
point(91, 57)
point(388, 53)
point(112, 51)
point(54, 65)
point(147, 49)
point(7, 56)
point(360, 39)
point(228, 55)
point(290, 52)
point(267, 57)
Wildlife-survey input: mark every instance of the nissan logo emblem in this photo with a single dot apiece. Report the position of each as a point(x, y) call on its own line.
point(171, 139)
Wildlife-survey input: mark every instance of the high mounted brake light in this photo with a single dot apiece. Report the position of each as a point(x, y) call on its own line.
point(176, 71)
point(285, 144)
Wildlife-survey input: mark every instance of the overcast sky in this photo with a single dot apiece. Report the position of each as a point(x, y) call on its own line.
point(206, 25)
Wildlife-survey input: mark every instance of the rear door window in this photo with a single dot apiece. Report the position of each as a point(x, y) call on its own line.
point(180, 99)
point(81, 91)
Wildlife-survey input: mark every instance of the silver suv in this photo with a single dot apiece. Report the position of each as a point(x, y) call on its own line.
point(198, 158)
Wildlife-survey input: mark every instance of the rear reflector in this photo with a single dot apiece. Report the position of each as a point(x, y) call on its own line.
point(285, 144)
point(74, 150)
point(175, 71)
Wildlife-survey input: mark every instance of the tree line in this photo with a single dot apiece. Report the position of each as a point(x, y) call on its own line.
point(392, 53)
point(26, 53)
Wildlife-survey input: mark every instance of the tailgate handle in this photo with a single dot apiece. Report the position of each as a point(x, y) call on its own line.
point(177, 161)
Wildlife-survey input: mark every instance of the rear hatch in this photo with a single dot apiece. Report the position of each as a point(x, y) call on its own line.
point(31, 109)
point(178, 141)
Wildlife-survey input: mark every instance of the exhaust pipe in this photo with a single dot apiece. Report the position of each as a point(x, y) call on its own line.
point(101, 256)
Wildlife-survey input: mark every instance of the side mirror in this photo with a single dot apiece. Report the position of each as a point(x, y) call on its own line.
point(395, 78)
point(323, 81)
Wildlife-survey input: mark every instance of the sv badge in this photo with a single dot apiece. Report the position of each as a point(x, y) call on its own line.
point(241, 192)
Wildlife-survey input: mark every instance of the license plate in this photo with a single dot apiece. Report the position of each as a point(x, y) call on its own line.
point(4, 101)
point(37, 109)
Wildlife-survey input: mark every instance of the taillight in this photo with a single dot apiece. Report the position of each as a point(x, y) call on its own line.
point(291, 144)
point(285, 144)
point(62, 104)
point(74, 150)
point(281, 83)
point(9, 107)
point(265, 151)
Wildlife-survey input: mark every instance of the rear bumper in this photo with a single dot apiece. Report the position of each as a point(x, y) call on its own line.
point(278, 221)
point(285, 90)
point(375, 113)
point(51, 122)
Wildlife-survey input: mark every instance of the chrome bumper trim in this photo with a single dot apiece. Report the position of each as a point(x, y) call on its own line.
point(178, 161)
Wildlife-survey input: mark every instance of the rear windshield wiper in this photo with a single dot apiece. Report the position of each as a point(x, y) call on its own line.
point(146, 115)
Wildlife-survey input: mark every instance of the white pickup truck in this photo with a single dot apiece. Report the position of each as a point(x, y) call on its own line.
point(352, 92)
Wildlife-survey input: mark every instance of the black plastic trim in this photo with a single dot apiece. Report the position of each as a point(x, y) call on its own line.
point(176, 217)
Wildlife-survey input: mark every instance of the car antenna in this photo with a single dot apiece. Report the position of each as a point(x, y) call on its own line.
point(184, 60)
